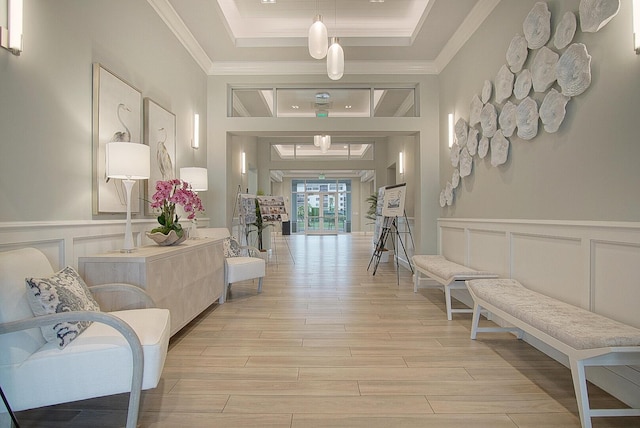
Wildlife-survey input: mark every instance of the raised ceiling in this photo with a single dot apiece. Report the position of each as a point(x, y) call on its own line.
point(394, 36)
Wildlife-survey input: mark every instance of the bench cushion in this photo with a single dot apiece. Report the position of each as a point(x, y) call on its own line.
point(450, 271)
point(574, 326)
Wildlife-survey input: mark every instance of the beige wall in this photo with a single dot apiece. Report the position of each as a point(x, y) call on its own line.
point(46, 98)
point(588, 169)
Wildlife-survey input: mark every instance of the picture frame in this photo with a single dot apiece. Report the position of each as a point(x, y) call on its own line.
point(117, 116)
point(160, 136)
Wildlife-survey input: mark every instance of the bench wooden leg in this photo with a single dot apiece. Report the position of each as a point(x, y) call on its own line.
point(475, 320)
point(416, 281)
point(580, 387)
point(447, 299)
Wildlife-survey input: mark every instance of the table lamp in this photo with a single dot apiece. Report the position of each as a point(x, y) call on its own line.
point(128, 162)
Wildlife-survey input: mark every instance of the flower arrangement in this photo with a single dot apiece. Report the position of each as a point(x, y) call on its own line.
point(170, 193)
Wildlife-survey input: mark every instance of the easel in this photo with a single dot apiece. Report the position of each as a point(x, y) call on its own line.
point(389, 229)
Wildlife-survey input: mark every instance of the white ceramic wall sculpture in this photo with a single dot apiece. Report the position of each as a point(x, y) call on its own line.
point(507, 119)
point(574, 70)
point(474, 110)
point(565, 30)
point(455, 154)
point(455, 178)
point(461, 130)
point(448, 193)
point(537, 26)
point(472, 141)
point(522, 87)
point(526, 119)
point(466, 163)
point(499, 149)
point(504, 84)
point(543, 69)
point(595, 14)
point(553, 110)
point(486, 91)
point(517, 53)
point(489, 120)
point(483, 147)
point(443, 199)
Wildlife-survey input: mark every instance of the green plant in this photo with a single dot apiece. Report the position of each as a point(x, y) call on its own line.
point(258, 226)
point(372, 199)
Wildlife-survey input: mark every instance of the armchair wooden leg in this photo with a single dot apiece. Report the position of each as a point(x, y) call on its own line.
point(260, 285)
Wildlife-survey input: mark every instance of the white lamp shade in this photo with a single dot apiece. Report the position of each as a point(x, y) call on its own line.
point(318, 42)
point(325, 143)
point(128, 161)
point(197, 177)
point(335, 60)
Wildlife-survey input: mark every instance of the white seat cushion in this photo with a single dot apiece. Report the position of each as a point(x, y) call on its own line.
point(243, 268)
point(447, 270)
point(98, 361)
point(574, 326)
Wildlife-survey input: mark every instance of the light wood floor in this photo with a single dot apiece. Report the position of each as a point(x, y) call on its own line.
point(329, 345)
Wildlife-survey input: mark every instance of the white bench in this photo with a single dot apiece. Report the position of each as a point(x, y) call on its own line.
point(588, 339)
point(450, 276)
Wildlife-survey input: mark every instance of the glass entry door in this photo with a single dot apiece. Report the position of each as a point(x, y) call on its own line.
point(321, 213)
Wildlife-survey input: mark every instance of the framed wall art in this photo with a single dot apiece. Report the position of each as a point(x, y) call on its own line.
point(160, 136)
point(117, 116)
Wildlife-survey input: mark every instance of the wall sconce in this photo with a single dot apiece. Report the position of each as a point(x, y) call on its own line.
point(11, 37)
point(636, 26)
point(401, 163)
point(195, 143)
point(243, 165)
point(451, 130)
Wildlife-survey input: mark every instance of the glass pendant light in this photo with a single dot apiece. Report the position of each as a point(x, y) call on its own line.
point(318, 42)
point(335, 60)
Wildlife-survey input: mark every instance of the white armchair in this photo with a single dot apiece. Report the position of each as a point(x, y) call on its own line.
point(121, 351)
point(240, 262)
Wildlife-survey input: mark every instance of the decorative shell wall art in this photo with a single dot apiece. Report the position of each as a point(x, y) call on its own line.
point(507, 119)
point(455, 178)
point(486, 91)
point(565, 30)
point(483, 147)
point(517, 53)
point(461, 130)
point(489, 120)
point(455, 154)
point(543, 69)
point(472, 141)
point(574, 70)
point(504, 84)
point(443, 199)
point(448, 193)
point(466, 163)
point(474, 110)
point(537, 26)
point(522, 86)
point(526, 119)
point(553, 110)
point(595, 14)
point(499, 149)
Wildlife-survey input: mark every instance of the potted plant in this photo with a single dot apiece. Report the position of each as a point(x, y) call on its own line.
point(168, 194)
point(258, 226)
point(372, 214)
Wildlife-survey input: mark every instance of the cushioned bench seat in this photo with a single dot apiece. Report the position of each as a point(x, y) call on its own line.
point(587, 338)
point(448, 274)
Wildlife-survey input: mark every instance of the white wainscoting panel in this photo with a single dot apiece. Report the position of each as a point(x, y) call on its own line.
point(456, 248)
point(616, 280)
point(489, 250)
point(551, 266)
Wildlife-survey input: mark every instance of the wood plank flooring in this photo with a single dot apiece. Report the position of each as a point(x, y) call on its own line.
point(327, 344)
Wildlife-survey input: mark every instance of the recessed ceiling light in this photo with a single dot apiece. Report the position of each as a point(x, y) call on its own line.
point(347, 106)
point(267, 1)
point(371, 1)
point(295, 107)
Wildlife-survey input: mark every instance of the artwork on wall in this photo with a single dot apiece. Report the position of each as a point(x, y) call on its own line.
point(117, 116)
point(567, 68)
point(160, 136)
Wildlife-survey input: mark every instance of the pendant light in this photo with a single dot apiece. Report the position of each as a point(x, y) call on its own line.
point(325, 143)
point(318, 42)
point(317, 139)
point(335, 60)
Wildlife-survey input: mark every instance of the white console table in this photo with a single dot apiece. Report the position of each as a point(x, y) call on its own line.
point(185, 278)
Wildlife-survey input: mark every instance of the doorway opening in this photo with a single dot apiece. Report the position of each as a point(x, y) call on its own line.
point(321, 206)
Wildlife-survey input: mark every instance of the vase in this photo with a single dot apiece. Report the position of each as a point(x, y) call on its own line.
point(171, 238)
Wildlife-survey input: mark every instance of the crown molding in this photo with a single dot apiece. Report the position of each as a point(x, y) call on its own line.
point(170, 17)
point(476, 17)
point(266, 68)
